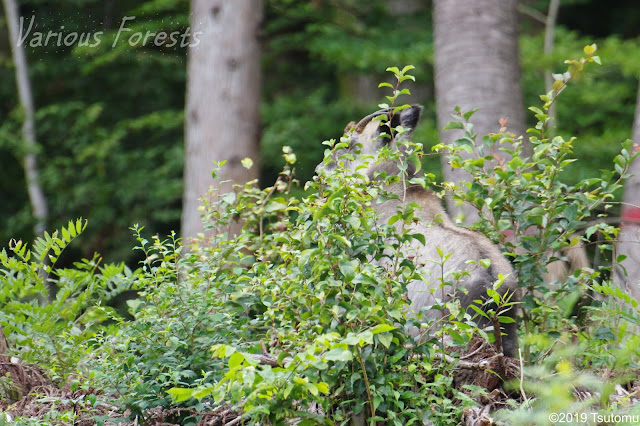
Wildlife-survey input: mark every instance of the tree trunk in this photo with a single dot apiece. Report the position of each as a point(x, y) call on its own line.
point(476, 66)
point(223, 93)
point(629, 240)
point(36, 194)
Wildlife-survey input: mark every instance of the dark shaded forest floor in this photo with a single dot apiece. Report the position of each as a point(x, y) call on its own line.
point(27, 392)
point(31, 394)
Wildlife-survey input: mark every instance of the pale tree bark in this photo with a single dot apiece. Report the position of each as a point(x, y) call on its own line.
point(36, 194)
point(476, 66)
point(223, 93)
point(629, 238)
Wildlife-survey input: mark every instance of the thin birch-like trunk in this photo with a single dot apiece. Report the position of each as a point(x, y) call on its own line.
point(36, 194)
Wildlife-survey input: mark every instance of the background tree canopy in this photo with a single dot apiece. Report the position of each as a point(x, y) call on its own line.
point(110, 120)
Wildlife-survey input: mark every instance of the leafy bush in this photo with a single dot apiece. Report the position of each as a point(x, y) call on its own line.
point(336, 319)
point(580, 325)
point(525, 206)
point(304, 285)
point(306, 278)
point(305, 314)
point(180, 314)
point(51, 314)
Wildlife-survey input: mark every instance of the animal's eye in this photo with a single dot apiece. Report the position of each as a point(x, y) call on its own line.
point(353, 140)
point(384, 132)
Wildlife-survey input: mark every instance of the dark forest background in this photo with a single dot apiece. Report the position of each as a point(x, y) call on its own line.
point(110, 120)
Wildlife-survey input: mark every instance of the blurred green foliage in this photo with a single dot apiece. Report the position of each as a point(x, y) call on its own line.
point(110, 120)
point(109, 123)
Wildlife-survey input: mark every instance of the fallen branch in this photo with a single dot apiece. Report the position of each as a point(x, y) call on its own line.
point(265, 359)
point(483, 365)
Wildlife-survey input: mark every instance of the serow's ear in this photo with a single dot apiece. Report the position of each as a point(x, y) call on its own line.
point(409, 117)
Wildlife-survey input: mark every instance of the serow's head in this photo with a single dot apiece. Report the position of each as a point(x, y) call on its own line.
point(363, 141)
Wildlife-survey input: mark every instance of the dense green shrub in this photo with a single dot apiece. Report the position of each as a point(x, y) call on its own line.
point(297, 318)
point(525, 196)
point(303, 279)
point(50, 315)
point(308, 293)
point(579, 327)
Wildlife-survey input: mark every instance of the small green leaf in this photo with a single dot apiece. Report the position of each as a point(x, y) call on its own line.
point(454, 125)
point(338, 354)
point(351, 339)
point(288, 390)
point(354, 222)
point(80, 226)
point(203, 392)
point(589, 50)
point(420, 238)
point(478, 311)
point(485, 263)
point(413, 159)
point(247, 163)
point(382, 328)
point(305, 256)
point(400, 108)
point(180, 394)
point(467, 115)
point(348, 269)
point(312, 388)
point(366, 337)
point(65, 235)
point(275, 204)
point(323, 387)
point(236, 359)
point(407, 68)
point(229, 197)
point(385, 339)
point(341, 239)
